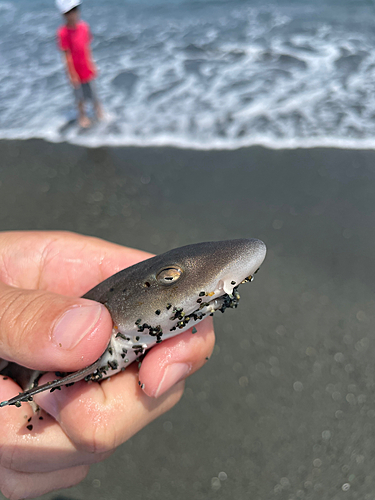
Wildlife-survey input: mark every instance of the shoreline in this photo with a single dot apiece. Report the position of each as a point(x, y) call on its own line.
point(346, 144)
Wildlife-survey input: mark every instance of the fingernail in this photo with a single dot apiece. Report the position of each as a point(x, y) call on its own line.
point(172, 374)
point(75, 324)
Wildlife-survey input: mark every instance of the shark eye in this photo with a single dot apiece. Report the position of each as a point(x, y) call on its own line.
point(169, 275)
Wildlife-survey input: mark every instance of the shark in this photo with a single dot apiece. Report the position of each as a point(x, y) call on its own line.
point(155, 300)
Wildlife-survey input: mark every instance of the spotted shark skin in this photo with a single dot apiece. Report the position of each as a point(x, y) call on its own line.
point(154, 300)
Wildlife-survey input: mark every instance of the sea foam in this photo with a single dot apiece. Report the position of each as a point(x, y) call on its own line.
point(199, 75)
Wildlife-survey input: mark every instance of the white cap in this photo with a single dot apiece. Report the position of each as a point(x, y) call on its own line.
point(65, 6)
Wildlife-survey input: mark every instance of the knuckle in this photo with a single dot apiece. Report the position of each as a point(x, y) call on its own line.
point(12, 458)
point(103, 440)
point(10, 302)
point(19, 313)
point(98, 438)
point(10, 452)
point(6, 456)
point(94, 445)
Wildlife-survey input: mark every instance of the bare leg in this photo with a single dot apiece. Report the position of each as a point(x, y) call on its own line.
point(98, 110)
point(83, 119)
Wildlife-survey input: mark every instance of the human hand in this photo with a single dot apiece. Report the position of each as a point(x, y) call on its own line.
point(44, 326)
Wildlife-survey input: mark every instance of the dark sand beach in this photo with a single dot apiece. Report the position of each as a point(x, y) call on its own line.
point(285, 407)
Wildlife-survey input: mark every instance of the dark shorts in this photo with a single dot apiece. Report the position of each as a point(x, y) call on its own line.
point(85, 92)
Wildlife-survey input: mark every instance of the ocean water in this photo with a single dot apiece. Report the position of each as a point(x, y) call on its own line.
point(197, 73)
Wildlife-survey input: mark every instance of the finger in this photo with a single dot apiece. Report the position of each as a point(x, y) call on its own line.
point(17, 485)
point(104, 420)
point(120, 403)
point(96, 417)
point(46, 331)
point(175, 359)
point(35, 442)
point(99, 417)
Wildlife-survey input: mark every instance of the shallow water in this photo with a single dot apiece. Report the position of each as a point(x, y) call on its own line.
point(203, 74)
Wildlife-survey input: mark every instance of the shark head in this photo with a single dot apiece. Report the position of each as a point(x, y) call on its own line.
point(173, 290)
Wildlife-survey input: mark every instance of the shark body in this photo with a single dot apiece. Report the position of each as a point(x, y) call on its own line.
point(157, 299)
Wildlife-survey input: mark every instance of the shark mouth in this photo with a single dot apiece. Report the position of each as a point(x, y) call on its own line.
point(218, 303)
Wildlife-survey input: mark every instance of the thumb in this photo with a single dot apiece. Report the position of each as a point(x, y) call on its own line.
point(46, 331)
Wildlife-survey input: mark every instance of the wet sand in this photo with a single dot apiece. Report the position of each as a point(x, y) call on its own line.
point(285, 408)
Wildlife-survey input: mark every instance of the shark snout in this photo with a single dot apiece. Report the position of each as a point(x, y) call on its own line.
point(255, 254)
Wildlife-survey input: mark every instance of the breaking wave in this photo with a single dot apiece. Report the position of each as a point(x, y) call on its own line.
point(204, 74)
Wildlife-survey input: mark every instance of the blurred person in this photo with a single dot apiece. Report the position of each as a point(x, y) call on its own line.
point(74, 40)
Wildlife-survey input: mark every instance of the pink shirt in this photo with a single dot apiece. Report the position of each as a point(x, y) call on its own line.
point(77, 42)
